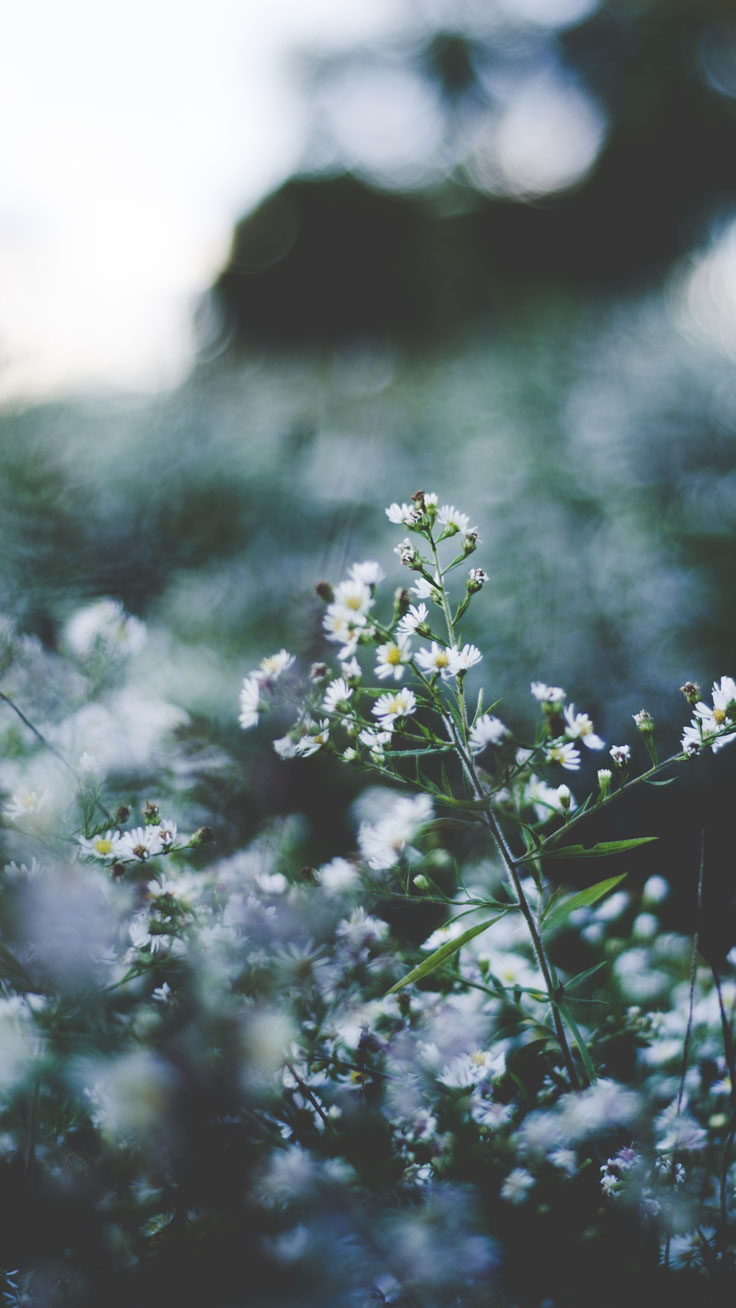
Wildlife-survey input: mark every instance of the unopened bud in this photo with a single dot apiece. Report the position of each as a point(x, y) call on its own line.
point(202, 836)
point(420, 881)
point(117, 871)
point(308, 874)
point(604, 781)
point(325, 591)
point(644, 722)
point(691, 691)
point(121, 815)
point(151, 813)
point(470, 542)
point(564, 796)
point(318, 672)
point(402, 600)
point(476, 578)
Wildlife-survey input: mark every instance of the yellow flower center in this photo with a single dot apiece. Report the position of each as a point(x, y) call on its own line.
point(353, 602)
point(441, 660)
point(719, 716)
point(103, 846)
point(394, 655)
point(478, 1057)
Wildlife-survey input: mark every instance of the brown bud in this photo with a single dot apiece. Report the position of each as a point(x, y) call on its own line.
point(325, 591)
point(691, 691)
point(151, 813)
point(121, 815)
point(202, 836)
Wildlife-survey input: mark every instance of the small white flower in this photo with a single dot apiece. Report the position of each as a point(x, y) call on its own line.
point(424, 589)
point(285, 747)
point(337, 696)
point(162, 993)
point(692, 741)
point(403, 514)
point(392, 658)
point(382, 843)
point(486, 730)
point(465, 658)
point(250, 696)
point(564, 753)
point(416, 617)
point(477, 578)
point(468, 1070)
point(105, 624)
point(26, 805)
point(370, 572)
point(620, 754)
point(397, 704)
point(103, 847)
point(548, 694)
point(316, 735)
point(406, 552)
point(343, 628)
point(271, 668)
point(438, 659)
point(337, 876)
point(375, 741)
point(516, 1186)
point(351, 669)
point(141, 843)
point(452, 520)
point(580, 727)
point(355, 598)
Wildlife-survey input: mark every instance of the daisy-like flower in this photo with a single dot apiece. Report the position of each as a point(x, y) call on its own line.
point(392, 658)
point(250, 696)
point(27, 805)
point(168, 834)
point(375, 741)
point(713, 719)
point(692, 741)
point(468, 1070)
point(414, 618)
point(424, 589)
point(351, 669)
point(486, 730)
point(564, 753)
point(141, 843)
point(354, 596)
point(285, 747)
point(517, 1185)
point(452, 520)
point(103, 847)
point(369, 572)
point(548, 694)
point(580, 727)
point(476, 578)
point(398, 704)
point(313, 739)
point(465, 658)
point(337, 696)
point(437, 659)
point(272, 667)
point(620, 754)
point(406, 515)
point(343, 628)
point(382, 843)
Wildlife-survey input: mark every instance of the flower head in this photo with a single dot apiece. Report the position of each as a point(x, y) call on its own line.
point(545, 694)
point(369, 572)
point(564, 753)
point(271, 668)
point(337, 696)
point(102, 847)
point(388, 708)
point(579, 727)
point(250, 696)
point(438, 659)
point(415, 617)
point(486, 730)
point(392, 658)
point(620, 754)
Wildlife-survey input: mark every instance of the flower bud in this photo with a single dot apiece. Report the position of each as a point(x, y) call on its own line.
point(319, 672)
point(402, 600)
point(644, 722)
point(691, 691)
point(325, 591)
point(476, 578)
point(420, 881)
point(470, 542)
point(121, 815)
point(563, 794)
point(151, 813)
point(620, 754)
point(202, 836)
point(604, 781)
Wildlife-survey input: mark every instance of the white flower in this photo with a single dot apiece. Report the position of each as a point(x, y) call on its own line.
point(337, 695)
point(564, 753)
point(103, 847)
point(452, 520)
point(416, 617)
point(285, 747)
point(392, 658)
point(381, 843)
point(28, 804)
point(141, 843)
point(406, 552)
point(313, 739)
point(517, 1184)
point(370, 572)
point(354, 597)
point(486, 730)
point(397, 704)
point(544, 798)
point(342, 627)
point(580, 727)
point(692, 741)
point(548, 694)
point(104, 623)
point(337, 875)
point(250, 696)
point(167, 832)
point(465, 658)
point(713, 720)
point(406, 515)
point(271, 668)
point(469, 1070)
point(351, 669)
point(620, 754)
point(437, 659)
point(375, 741)
point(424, 589)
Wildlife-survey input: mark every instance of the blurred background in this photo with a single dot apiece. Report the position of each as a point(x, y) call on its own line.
point(267, 267)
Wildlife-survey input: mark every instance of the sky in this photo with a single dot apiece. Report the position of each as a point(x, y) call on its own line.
point(136, 133)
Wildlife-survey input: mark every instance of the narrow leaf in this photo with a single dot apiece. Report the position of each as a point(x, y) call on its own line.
point(582, 899)
point(442, 954)
point(602, 850)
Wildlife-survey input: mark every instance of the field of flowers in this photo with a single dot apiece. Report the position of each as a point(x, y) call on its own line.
point(423, 1068)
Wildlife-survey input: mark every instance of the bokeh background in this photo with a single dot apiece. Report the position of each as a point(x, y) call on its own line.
point(267, 267)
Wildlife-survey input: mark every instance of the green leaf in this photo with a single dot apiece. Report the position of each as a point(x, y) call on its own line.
point(603, 849)
point(668, 782)
point(583, 976)
point(442, 954)
point(577, 1037)
point(557, 913)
